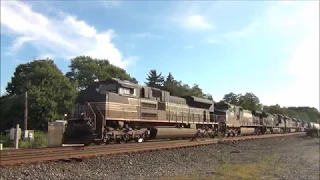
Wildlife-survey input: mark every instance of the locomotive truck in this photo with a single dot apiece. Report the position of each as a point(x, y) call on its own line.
point(120, 111)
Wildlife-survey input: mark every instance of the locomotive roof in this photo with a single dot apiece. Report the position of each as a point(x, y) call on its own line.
point(178, 100)
point(125, 83)
point(257, 112)
point(277, 114)
point(266, 113)
point(220, 110)
point(226, 103)
point(202, 100)
point(128, 84)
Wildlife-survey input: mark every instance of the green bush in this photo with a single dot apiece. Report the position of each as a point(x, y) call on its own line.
point(6, 142)
point(40, 140)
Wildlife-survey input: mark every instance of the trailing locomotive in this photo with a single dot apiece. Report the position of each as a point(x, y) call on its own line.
point(121, 111)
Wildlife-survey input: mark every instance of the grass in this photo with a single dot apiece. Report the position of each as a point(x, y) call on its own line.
point(40, 140)
point(250, 171)
point(228, 171)
point(241, 171)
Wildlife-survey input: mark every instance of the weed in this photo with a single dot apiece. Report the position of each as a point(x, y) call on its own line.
point(5, 140)
point(40, 140)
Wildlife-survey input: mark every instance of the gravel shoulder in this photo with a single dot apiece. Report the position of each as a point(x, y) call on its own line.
point(291, 157)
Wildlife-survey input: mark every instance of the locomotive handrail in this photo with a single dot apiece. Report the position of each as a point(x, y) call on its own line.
point(100, 112)
point(94, 114)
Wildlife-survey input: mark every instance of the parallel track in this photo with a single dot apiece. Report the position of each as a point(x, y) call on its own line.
point(13, 157)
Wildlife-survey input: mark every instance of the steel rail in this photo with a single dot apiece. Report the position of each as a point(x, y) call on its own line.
point(116, 149)
point(19, 152)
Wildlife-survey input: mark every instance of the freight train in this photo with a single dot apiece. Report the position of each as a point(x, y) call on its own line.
point(120, 111)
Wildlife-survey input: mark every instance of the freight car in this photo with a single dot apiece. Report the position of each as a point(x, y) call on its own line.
point(121, 111)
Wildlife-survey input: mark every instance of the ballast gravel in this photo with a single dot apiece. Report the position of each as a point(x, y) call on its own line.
point(296, 158)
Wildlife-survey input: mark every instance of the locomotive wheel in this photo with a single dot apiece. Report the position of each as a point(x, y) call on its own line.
point(122, 141)
point(106, 139)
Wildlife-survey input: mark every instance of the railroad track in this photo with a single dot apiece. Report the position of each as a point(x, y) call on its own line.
point(13, 157)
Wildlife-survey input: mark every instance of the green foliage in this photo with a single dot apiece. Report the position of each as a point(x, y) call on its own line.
point(84, 70)
point(154, 79)
point(50, 94)
point(6, 142)
point(11, 111)
point(40, 140)
point(247, 101)
point(232, 98)
point(176, 88)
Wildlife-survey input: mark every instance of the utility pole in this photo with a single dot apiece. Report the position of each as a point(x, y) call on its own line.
point(16, 137)
point(26, 115)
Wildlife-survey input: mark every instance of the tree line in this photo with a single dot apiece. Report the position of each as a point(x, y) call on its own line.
point(51, 93)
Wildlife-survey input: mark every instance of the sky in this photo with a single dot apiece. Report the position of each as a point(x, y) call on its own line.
point(269, 48)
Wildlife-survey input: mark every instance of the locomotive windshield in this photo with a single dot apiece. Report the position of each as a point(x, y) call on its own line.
point(221, 107)
point(104, 88)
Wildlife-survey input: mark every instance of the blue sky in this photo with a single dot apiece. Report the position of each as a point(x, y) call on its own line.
point(265, 47)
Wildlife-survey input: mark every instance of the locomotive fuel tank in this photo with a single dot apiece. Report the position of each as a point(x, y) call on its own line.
point(247, 131)
point(276, 130)
point(165, 133)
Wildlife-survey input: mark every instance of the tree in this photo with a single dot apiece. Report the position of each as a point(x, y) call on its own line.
point(275, 109)
point(231, 98)
point(208, 96)
point(50, 93)
point(133, 80)
point(170, 84)
point(154, 79)
point(170, 79)
point(176, 88)
point(196, 91)
point(11, 111)
point(250, 101)
point(304, 113)
point(86, 70)
point(305, 116)
point(313, 113)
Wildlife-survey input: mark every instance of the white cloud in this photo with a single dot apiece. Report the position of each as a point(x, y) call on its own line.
point(18, 43)
point(190, 16)
point(302, 64)
point(63, 37)
point(197, 22)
